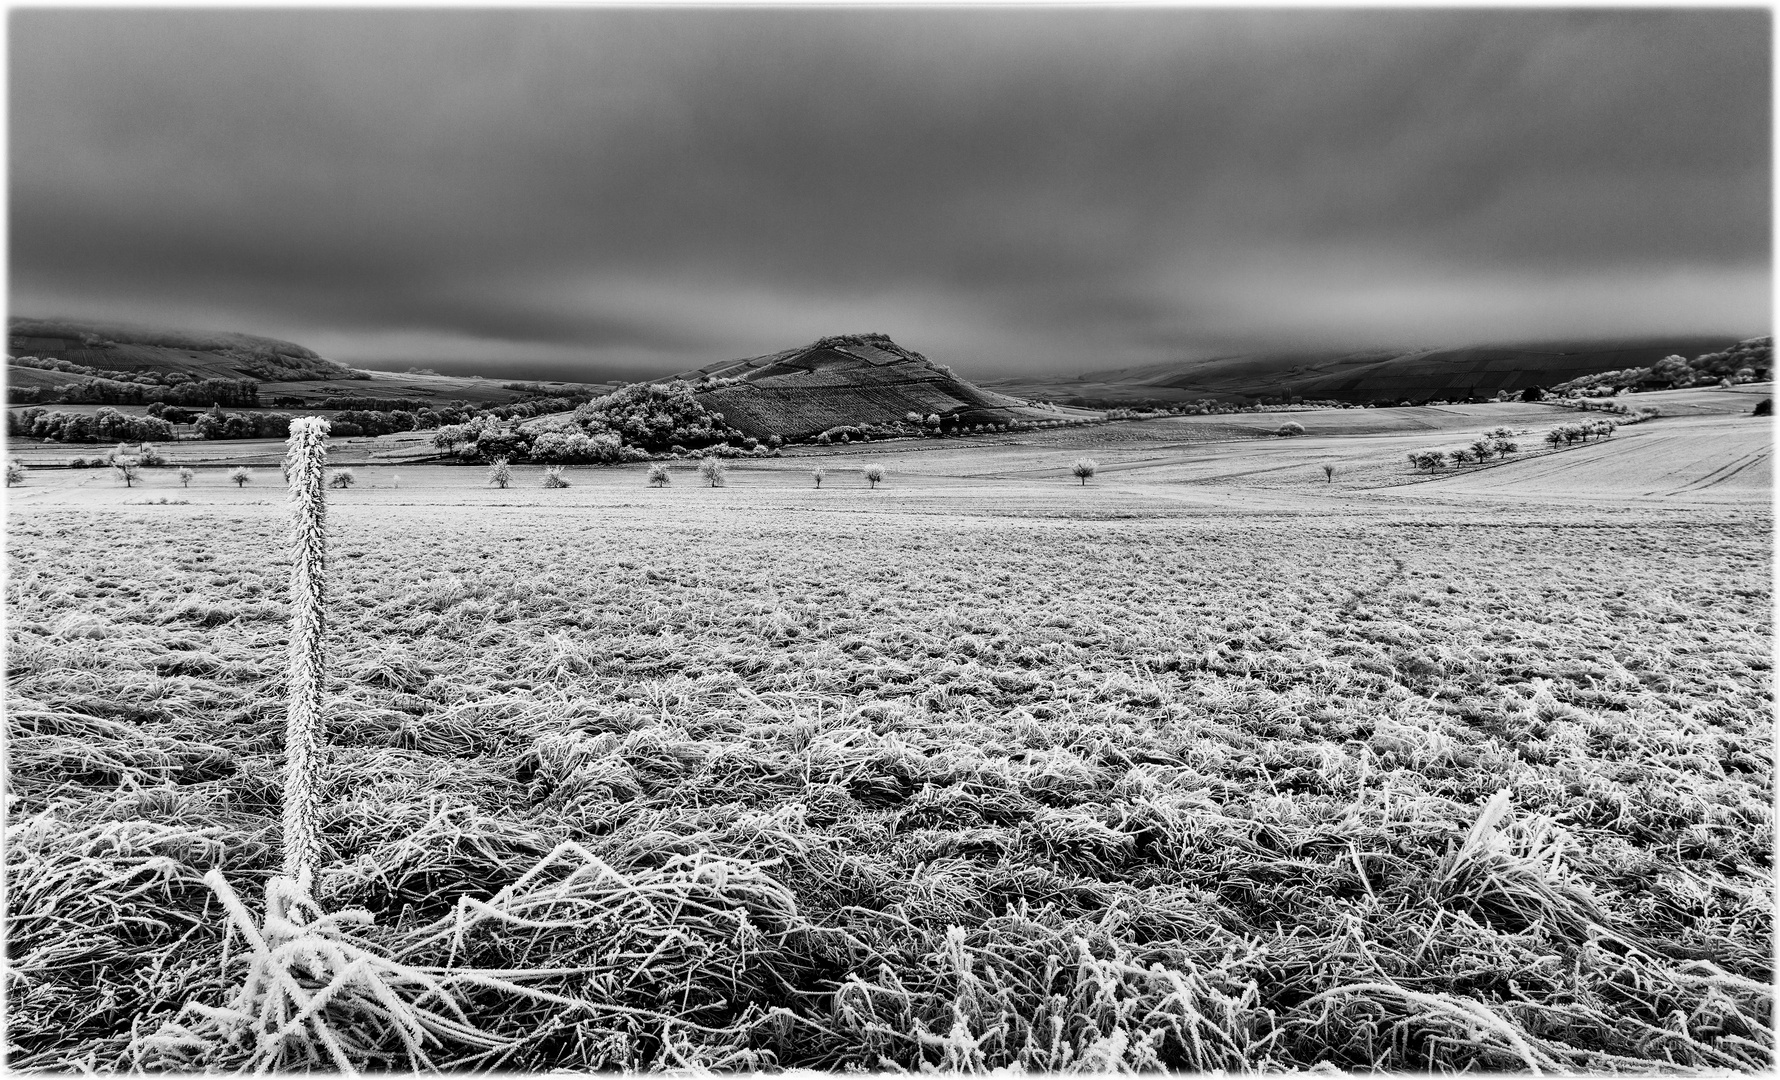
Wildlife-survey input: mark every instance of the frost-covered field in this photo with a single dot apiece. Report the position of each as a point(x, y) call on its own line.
point(952, 773)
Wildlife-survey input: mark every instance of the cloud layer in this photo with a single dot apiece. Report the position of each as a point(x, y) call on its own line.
point(1004, 189)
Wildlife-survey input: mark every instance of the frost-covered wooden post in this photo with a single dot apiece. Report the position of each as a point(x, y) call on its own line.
point(304, 458)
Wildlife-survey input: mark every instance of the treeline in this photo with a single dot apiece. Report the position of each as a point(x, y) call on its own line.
point(106, 425)
point(457, 408)
point(109, 425)
point(1745, 362)
point(235, 393)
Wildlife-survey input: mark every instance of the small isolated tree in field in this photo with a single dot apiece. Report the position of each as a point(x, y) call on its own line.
point(1329, 473)
point(818, 473)
point(341, 478)
point(1290, 428)
point(1764, 407)
point(875, 474)
point(1083, 469)
point(553, 477)
point(713, 471)
point(185, 477)
point(150, 456)
point(499, 474)
point(239, 475)
point(658, 475)
point(15, 473)
point(128, 469)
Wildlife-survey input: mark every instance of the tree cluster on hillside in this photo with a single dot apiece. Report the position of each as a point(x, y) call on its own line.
point(635, 423)
point(1745, 362)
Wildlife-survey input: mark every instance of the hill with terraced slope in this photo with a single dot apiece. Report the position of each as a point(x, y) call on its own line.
point(851, 379)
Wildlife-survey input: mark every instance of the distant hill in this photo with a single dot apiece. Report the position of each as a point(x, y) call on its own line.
point(114, 347)
point(1377, 375)
point(847, 380)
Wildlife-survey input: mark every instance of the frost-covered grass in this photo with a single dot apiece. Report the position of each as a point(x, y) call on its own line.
point(901, 790)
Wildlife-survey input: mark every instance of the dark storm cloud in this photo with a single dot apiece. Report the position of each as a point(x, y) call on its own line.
point(1000, 188)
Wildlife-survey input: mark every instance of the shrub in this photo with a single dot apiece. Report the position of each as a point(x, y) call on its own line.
point(1083, 469)
point(150, 455)
point(499, 474)
point(823, 439)
point(658, 476)
point(553, 477)
point(1290, 428)
point(239, 475)
point(713, 471)
point(874, 474)
point(15, 472)
point(1329, 473)
point(341, 478)
point(185, 477)
point(818, 472)
point(1764, 407)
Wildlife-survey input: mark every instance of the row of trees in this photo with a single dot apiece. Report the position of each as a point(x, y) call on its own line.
point(1499, 443)
point(1569, 434)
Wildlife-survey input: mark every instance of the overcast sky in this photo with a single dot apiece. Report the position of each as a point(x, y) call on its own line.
point(1044, 189)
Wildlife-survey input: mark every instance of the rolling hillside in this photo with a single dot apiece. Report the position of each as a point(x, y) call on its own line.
point(109, 347)
point(1448, 374)
point(847, 380)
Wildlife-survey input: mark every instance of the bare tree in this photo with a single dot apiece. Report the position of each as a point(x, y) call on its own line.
point(818, 472)
point(1329, 473)
point(875, 474)
point(713, 471)
point(499, 474)
point(1084, 468)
